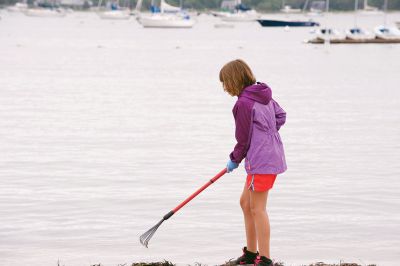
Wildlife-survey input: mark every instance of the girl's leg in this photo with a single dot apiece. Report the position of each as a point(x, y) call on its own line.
point(248, 220)
point(258, 204)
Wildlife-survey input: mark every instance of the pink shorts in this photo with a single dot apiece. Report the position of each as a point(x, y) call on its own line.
point(260, 182)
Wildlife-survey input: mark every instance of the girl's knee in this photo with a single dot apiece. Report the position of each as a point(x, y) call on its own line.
point(245, 204)
point(257, 210)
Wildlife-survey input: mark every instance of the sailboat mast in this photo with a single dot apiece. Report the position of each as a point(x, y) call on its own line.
point(355, 12)
point(305, 6)
point(385, 12)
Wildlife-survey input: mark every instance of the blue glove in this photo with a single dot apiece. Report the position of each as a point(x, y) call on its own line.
point(230, 166)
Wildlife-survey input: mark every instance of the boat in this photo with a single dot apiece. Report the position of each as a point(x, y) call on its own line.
point(113, 11)
point(18, 7)
point(329, 35)
point(285, 23)
point(387, 33)
point(167, 17)
point(241, 16)
point(235, 11)
point(357, 33)
point(115, 14)
point(166, 21)
point(398, 24)
point(45, 12)
point(361, 41)
point(289, 10)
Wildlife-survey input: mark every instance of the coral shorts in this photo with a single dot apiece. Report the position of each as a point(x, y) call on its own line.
point(260, 182)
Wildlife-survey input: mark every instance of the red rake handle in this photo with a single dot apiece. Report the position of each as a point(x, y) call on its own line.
point(212, 180)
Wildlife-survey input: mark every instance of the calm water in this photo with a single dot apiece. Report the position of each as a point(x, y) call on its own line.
point(106, 126)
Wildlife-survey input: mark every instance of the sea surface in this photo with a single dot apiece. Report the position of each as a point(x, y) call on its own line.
point(106, 126)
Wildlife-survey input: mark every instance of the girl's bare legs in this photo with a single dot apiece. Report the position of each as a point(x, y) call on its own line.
point(248, 220)
point(258, 206)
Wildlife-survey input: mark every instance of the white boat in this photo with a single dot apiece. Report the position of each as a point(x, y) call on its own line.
point(289, 10)
point(328, 34)
point(241, 16)
point(359, 34)
point(168, 17)
point(387, 33)
point(18, 7)
point(45, 12)
point(113, 11)
point(115, 14)
point(159, 20)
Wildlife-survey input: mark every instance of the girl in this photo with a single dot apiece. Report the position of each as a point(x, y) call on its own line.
point(257, 118)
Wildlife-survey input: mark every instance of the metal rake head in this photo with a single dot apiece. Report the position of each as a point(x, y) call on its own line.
point(145, 238)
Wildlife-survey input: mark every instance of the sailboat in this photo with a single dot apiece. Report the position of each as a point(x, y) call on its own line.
point(45, 9)
point(241, 13)
point(384, 32)
point(113, 11)
point(168, 17)
point(357, 33)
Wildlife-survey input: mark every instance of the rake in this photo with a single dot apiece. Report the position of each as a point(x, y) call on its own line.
point(145, 238)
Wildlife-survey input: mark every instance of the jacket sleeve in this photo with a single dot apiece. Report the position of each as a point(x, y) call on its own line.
point(280, 115)
point(242, 113)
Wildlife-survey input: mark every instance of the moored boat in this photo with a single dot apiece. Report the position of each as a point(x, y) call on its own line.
point(159, 20)
point(284, 23)
point(387, 33)
point(45, 12)
point(114, 14)
point(357, 33)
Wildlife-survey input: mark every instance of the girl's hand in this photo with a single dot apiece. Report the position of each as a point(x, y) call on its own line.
point(230, 166)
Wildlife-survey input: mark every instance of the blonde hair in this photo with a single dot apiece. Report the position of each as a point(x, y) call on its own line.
point(235, 76)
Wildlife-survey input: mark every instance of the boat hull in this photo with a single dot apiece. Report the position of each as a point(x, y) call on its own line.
point(115, 15)
point(166, 22)
point(282, 23)
point(44, 12)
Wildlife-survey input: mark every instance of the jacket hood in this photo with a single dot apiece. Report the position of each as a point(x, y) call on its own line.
point(259, 92)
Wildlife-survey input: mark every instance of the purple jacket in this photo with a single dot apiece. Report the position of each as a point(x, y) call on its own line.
point(258, 118)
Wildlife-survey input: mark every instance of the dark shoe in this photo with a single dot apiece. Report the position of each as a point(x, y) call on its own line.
point(248, 258)
point(263, 261)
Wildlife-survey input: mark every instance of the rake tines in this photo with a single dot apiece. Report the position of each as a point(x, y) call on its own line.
point(145, 238)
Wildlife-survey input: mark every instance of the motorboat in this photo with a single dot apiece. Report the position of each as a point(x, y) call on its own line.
point(286, 23)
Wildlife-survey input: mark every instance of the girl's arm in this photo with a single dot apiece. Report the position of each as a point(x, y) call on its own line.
point(242, 112)
point(280, 115)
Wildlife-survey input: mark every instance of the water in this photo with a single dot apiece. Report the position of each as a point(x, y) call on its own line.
point(106, 126)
